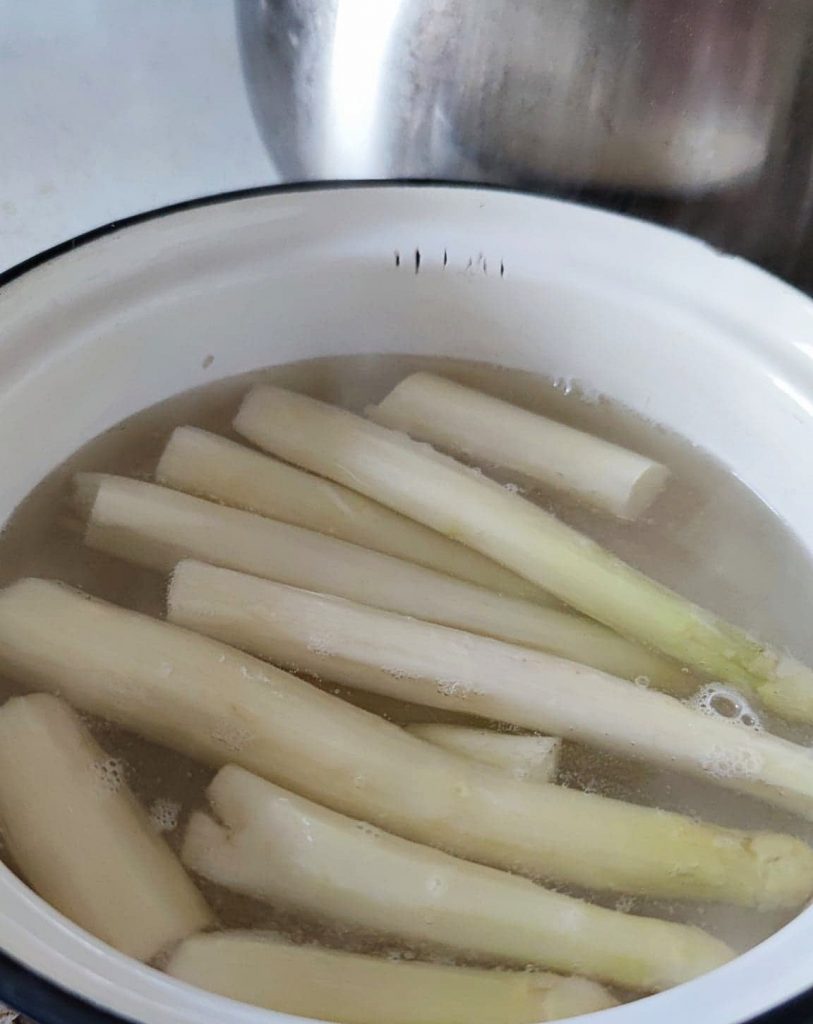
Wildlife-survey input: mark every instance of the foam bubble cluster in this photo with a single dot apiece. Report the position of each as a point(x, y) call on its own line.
point(732, 763)
point(110, 774)
point(721, 701)
point(164, 814)
point(453, 688)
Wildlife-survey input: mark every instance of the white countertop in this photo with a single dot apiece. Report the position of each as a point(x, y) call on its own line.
point(114, 107)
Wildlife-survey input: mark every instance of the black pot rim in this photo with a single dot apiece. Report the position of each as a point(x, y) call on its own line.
point(23, 989)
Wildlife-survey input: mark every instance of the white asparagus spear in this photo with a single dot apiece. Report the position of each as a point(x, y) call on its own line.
point(417, 481)
point(79, 837)
point(213, 467)
point(349, 988)
point(290, 852)
point(219, 705)
point(498, 433)
point(156, 527)
point(532, 758)
point(419, 661)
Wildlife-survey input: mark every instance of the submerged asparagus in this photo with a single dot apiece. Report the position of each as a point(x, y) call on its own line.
point(442, 667)
point(80, 839)
point(497, 433)
point(353, 989)
point(155, 527)
point(533, 758)
point(433, 489)
point(290, 852)
point(213, 467)
point(218, 705)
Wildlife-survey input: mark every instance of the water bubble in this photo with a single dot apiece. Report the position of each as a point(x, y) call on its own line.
point(453, 688)
point(720, 701)
point(564, 384)
point(110, 774)
point(732, 763)
point(369, 830)
point(164, 814)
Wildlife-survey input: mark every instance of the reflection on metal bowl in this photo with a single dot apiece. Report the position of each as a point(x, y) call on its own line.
point(694, 114)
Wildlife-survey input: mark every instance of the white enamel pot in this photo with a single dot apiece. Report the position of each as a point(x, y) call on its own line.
point(705, 344)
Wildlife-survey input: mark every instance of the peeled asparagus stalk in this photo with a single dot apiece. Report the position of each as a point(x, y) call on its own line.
point(218, 705)
point(290, 852)
point(349, 988)
point(419, 661)
point(213, 467)
point(498, 433)
point(533, 758)
point(156, 527)
point(417, 481)
point(79, 837)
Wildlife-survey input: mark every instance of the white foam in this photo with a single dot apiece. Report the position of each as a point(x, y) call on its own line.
point(318, 644)
point(453, 688)
point(732, 763)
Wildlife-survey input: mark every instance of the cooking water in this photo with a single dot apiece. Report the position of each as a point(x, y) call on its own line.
point(707, 536)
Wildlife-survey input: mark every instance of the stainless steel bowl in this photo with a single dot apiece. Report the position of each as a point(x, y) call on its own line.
point(696, 113)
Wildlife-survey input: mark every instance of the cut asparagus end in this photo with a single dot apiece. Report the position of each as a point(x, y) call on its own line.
point(529, 758)
point(213, 467)
point(84, 491)
point(79, 837)
point(351, 988)
point(446, 668)
point(217, 705)
point(417, 481)
point(497, 433)
point(288, 851)
point(155, 527)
